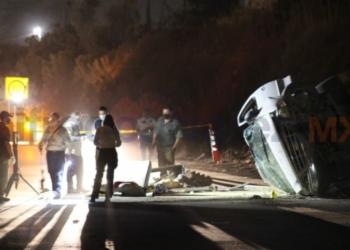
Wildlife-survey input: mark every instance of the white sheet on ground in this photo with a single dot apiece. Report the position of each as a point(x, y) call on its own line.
point(133, 171)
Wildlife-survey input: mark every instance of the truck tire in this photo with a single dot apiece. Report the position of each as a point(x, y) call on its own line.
point(307, 165)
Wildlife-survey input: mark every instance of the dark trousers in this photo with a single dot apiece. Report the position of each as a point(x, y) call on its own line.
point(106, 156)
point(146, 146)
point(55, 163)
point(75, 169)
point(166, 158)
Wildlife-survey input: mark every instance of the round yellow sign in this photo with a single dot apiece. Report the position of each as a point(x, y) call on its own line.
point(16, 87)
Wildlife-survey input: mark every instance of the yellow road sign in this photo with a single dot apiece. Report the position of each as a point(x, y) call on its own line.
point(16, 88)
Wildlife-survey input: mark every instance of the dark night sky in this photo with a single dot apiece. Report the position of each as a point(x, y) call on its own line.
point(44, 13)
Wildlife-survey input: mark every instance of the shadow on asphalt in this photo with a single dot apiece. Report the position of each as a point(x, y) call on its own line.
point(141, 226)
point(265, 227)
point(154, 226)
point(169, 226)
point(23, 234)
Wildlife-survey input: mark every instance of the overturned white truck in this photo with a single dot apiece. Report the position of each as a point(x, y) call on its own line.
point(298, 135)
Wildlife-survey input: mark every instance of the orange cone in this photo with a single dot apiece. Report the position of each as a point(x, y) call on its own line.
point(214, 150)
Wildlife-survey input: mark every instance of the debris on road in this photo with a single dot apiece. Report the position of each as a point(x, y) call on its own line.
point(232, 188)
point(169, 180)
point(141, 180)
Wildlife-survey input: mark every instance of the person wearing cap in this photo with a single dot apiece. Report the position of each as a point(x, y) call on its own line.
point(73, 153)
point(56, 139)
point(5, 152)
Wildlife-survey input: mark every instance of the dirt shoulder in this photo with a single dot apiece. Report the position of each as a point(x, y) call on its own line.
point(237, 162)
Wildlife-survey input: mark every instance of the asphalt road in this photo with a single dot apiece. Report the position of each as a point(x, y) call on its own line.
point(32, 222)
point(231, 224)
point(216, 225)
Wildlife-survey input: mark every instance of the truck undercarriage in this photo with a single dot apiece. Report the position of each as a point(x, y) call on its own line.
point(298, 135)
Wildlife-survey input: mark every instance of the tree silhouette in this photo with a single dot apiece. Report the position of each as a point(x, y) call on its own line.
point(58, 88)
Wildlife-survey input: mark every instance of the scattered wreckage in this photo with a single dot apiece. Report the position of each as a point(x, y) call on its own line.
point(298, 135)
point(140, 179)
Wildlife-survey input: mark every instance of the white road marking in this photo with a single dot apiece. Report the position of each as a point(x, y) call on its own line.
point(221, 238)
point(10, 223)
point(341, 218)
point(43, 232)
point(70, 234)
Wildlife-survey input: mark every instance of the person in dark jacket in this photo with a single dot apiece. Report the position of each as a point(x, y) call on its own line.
point(5, 153)
point(102, 112)
point(107, 138)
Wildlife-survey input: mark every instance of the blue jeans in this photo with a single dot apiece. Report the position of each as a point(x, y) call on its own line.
point(55, 164)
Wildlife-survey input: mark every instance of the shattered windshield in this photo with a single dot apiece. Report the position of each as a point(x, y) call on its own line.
point(265, 161)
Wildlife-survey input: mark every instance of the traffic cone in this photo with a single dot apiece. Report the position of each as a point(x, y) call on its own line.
point(214, 150)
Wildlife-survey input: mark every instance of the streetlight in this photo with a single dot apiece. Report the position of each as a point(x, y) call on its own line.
point(37, 31)
point(16, 91)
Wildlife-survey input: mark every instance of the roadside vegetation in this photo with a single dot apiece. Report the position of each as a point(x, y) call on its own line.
point(205, 63)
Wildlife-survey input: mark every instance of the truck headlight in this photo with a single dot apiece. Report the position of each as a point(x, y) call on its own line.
point(282, 109)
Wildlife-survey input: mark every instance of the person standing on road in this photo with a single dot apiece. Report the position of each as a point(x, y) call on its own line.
point(73, 153)
point(102, 112)
point(5, 152)
point(107, 138)
point(57, 140)
point(166, 136)
point(144, 127)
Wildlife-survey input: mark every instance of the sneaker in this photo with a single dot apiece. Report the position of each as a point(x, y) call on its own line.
point(92, 200)
point(57, 196)
point(72, 191)
point(4, 199)
point(82, 190)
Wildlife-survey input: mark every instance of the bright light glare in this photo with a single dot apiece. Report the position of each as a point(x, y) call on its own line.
point(67, 164)
point(37, 31)
point(27, 126)
point(18, 97)
point(88, 153)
